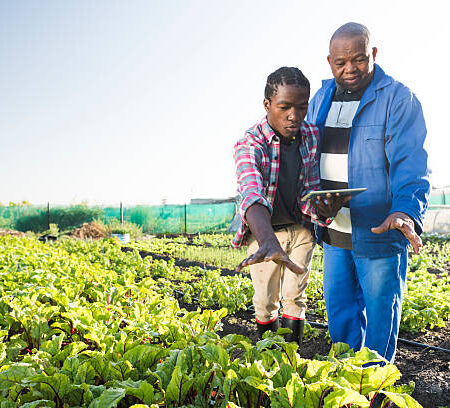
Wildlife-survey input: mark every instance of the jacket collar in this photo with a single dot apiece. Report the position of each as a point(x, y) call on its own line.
point(379, 81)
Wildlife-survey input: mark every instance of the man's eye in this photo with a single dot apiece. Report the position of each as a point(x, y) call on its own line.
point(360, 60)
point(339, 64)
point(284, 107)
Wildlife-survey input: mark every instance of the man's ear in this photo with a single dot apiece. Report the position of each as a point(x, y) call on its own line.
point(266, 104)
point(329, 59)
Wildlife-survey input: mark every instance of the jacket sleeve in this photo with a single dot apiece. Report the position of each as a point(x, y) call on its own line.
point(248, 161)
point(405, 152)
point(311, 115)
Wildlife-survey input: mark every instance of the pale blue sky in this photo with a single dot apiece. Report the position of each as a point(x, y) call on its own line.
point(136, 101)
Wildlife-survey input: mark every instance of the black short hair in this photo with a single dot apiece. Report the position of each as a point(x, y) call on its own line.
point(351, 30)
point(285, 76)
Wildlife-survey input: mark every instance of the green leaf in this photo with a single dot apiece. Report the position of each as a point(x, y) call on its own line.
point(282, 375)
point(165, 370)
point(315, 392)
point(144, 357)
point(78, 395)
point(52, 386)
point(71, 350)
point(141, 406)
point(341, 397)
point(15, 374)
point(366, 355)
point(70, 367)
point(402, 400)
point(8, 404)
point(373, 378)
point(101, 367)
point(340, 350)
point(85, 374)
point(402, 389)
point(97, 390)
point(109, 398)
point(121, 370)
point(139, 389)
point(318, 370)
point(229, 384)
point(291, 356)
point(37, 403)
point(217, 354)
point(178, 387)
point(264, 385)
point(2, 352)
point(289, 396)
point(15, 346)
point(53, 346)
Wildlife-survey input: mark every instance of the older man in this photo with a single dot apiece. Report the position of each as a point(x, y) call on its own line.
point(372, 135)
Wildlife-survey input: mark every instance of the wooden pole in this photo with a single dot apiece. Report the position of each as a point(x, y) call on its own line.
point(121, 213)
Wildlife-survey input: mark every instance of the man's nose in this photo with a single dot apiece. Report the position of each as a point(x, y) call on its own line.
point(292, 115)
point(349, 67)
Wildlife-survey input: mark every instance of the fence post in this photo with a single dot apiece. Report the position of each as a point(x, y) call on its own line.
point(185, 219)
point(121, 213)
point(48, 215)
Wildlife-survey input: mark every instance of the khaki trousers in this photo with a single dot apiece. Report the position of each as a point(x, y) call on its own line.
point(273, 282)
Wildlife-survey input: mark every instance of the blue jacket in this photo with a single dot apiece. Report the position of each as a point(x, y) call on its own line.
point(385, 155)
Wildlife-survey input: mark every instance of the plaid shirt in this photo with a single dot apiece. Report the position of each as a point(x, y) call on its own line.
point(256, 156)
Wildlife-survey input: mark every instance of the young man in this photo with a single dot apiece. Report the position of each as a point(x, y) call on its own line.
point(277, 163)
point(372, 135)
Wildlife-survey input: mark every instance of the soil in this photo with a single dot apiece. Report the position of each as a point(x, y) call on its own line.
point(429, 369)
point(90, 230)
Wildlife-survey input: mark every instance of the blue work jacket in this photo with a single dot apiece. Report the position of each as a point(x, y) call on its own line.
point(386, 155)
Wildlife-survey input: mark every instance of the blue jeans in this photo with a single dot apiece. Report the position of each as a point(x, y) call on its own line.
point(364, 297)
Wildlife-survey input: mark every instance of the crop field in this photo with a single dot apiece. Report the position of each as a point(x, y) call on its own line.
point(167, 322)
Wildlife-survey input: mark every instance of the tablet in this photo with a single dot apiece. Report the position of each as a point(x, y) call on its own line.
point(343, 192)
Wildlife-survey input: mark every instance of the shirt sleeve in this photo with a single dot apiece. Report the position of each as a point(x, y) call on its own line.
point(408, 169)
point(248, 161)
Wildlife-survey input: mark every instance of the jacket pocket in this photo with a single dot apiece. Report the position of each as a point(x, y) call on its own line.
point(374, 148)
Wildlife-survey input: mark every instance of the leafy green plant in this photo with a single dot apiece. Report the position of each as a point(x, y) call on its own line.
point(116, 227)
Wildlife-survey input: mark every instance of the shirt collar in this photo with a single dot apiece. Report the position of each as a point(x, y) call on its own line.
point(271, 136)
point(267, 131)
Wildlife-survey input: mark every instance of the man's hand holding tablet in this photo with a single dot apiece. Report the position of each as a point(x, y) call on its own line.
point(328, 202)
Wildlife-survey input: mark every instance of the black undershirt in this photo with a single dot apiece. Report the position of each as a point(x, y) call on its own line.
point(285, 206)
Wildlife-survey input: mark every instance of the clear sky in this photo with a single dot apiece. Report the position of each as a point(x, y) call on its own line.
point(136, 101)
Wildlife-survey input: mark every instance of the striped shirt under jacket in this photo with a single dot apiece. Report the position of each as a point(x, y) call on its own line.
point(257, 162)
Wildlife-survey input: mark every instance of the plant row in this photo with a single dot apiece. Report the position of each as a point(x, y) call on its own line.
point(427, 297)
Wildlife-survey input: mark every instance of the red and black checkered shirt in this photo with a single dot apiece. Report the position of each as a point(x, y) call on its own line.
point(257, 162)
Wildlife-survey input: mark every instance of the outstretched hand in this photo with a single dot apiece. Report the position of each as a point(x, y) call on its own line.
point(271, 251)
point(405, 224)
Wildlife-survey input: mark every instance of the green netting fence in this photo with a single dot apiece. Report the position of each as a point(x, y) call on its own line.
point(163, 219)
point(177, 219)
